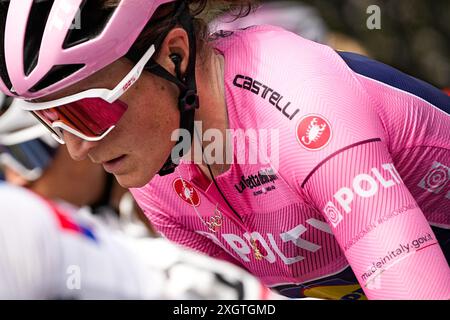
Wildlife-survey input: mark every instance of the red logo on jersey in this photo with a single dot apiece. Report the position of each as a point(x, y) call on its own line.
point(313, 132)
point(186, 191)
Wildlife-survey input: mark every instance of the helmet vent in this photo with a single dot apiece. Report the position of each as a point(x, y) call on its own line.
point(56, 74)
point(4, 5)
point(89, 23)
point(37, 21)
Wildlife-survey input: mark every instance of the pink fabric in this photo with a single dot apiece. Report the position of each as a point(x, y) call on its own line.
point(350, 191)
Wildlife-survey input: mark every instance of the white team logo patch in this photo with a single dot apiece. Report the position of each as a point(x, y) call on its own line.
point(436, 179)
point(333, 214)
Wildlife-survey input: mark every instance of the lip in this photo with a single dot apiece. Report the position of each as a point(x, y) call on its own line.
point(114, 165)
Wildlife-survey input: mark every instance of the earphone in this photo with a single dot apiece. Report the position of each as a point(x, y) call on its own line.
point(176, 59)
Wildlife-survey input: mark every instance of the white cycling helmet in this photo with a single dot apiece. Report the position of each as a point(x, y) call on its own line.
point(25, 145)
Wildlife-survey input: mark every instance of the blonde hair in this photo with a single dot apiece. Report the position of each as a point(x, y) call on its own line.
point(203, 12)
point(207, 10)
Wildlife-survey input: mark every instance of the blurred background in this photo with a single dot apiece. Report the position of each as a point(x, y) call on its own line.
point(414, 35)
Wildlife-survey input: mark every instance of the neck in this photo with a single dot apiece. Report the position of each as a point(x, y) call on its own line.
point(213, 111)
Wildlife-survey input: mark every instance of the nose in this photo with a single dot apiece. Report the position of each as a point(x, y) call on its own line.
point(77, 147)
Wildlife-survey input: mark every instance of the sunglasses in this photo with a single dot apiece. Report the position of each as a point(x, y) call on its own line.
point(90, 114)
point(29, 159)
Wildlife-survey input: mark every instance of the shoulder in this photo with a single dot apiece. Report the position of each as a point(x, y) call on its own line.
point(20, 206)
point(280, 81)
point(25, 217)
point(18, 199)
point(265, 47)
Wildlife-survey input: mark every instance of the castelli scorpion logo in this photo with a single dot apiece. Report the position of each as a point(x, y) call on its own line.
point(313, 132)
point(186, 192)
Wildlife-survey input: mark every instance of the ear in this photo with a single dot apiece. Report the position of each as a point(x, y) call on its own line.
point(176, 41)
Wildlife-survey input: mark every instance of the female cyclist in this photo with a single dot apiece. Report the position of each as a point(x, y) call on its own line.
point(57, 241)
point(343, 165)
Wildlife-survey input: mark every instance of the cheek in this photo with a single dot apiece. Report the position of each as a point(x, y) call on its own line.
point(152, 108)
point(152, 116)
point(144, 132)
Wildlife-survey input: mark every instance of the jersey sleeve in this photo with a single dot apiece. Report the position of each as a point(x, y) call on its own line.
point(378, 224)
point(340, 162)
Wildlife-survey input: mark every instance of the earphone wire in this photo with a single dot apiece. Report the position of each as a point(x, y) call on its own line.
point(214, 179)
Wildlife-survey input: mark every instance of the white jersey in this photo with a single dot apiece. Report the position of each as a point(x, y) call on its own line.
point(50, 251)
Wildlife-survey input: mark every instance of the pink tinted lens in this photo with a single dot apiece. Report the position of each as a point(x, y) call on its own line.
point(90, 116)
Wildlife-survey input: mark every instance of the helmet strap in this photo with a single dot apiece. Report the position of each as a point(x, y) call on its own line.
point(188, 99)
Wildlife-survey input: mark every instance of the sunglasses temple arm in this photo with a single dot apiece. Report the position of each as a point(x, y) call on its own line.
point(54, 134)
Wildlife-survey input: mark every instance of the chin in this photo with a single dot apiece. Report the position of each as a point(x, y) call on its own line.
point(134, 180)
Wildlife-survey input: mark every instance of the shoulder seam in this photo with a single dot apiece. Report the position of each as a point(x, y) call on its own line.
point(335, 154)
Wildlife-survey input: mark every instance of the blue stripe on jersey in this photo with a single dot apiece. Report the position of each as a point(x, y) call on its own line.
point(395, 78)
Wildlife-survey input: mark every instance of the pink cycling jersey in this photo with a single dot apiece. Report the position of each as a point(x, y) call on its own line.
point(351, 195)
